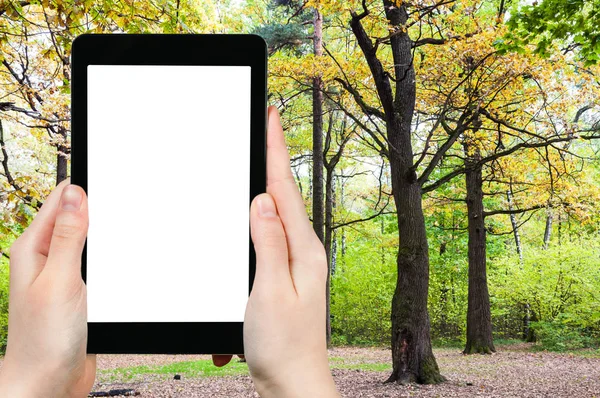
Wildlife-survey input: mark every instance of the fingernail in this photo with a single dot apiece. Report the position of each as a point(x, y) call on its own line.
point(266, 207)
point(71, 198)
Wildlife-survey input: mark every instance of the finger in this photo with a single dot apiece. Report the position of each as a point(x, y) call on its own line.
point(29, 252)
point(270, 245)
point(68, 235)
point(302, 239)
point(282, 186)
point(221, 360)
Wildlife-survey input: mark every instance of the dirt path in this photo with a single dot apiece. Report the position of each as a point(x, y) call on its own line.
point(359, 372)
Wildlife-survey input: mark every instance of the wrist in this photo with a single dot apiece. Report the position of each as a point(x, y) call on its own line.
point(25, 383)
point(299, 381)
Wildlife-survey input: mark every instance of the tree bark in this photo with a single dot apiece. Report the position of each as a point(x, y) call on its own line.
point(318, 160)
point(479, 318)
point(548, 230)
point(61, 157)
point(317, 93)
point(343, 232)
point(515, 226)
point(328, 241)
point(412, 356)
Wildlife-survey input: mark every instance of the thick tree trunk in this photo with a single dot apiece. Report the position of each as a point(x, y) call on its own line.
point(479, 318)
point(412, 356)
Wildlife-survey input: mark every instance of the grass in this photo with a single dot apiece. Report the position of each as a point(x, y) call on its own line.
point(370, 367)
point(205, 367)
point(200, 368)
point(583, 352)
point(438, 343)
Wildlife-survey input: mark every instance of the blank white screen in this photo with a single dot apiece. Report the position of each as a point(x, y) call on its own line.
point(168, 188)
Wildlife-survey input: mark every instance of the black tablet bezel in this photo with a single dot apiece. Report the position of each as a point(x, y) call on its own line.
point(169, 49)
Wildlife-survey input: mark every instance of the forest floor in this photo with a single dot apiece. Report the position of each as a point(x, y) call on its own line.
point(514, 371)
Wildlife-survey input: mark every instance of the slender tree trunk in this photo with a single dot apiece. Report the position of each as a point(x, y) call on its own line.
point(62, 150)
point(531, 336)
point(318, 159)
point(334, 234)
point(559, 230)
point(548, 230)
point(317, 178)
point(382, 231)
point(479, 318)
point(515, 225)
point(328, 241)
point(329, 205)
point(343, 231)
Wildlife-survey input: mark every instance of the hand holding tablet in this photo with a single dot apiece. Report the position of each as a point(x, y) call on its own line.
point(175, 123)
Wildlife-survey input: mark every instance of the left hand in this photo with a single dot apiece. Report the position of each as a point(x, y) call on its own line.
point(47, 332)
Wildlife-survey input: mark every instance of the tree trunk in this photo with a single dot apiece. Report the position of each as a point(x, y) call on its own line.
point(515, 226)
point(479, 318)
point(343, 232)
point(412, 356)
point(317, 178)
point(531, 336)
point(548, 230)
point(334, 243)
point(328, 241)
point(62, 150)
point(318, 160)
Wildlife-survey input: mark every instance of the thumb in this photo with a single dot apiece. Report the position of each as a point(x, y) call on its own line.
point(70, 230)
point(270, 244)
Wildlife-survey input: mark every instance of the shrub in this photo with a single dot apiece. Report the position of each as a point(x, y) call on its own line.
point(560, 335)
point(361, 297)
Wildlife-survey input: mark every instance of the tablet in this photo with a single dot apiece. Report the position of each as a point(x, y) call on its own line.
point(168, 141)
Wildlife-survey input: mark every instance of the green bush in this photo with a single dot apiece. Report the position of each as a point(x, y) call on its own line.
point(560, 335)
point(362, 290)
point(561, 286)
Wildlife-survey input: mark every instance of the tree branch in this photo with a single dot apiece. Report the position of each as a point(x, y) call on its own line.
point(513, 211)
point(27, 198)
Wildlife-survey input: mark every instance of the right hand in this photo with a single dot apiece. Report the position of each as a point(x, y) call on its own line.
point(284, 327)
